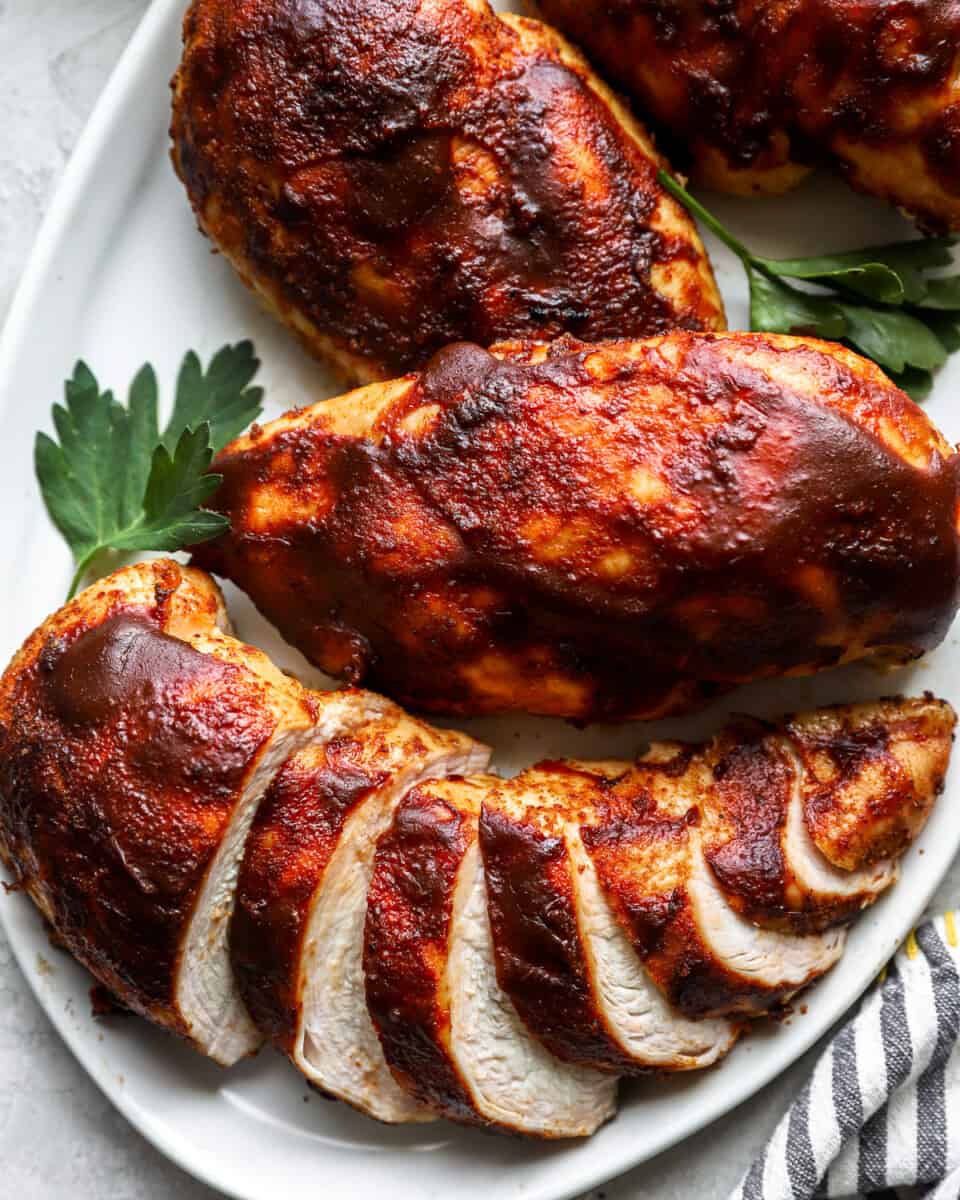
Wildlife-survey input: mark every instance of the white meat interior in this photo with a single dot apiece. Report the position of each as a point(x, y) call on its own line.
point(513, 1080)
point(337, 1047)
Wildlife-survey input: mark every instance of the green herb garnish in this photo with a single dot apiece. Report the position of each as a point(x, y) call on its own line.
point(879, 300)
point(115, 482)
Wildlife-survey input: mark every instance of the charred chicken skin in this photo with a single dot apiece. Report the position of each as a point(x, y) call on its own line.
point(751, 95)
point(237, 857)
point(394, 175)
point(599, 532)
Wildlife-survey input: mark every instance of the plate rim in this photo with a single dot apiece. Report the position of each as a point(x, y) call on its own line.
point(193, 1159)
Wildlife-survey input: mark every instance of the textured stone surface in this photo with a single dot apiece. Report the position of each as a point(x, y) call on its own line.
point(58, 1135)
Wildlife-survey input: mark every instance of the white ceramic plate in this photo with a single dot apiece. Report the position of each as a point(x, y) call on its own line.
point(120, 275)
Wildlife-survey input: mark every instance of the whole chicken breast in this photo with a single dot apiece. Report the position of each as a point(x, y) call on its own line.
point(752, 95)
point(136, 740)
point(599, 532)
point(394, 175)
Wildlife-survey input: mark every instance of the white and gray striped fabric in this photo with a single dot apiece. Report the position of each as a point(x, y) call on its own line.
point(880, 1115)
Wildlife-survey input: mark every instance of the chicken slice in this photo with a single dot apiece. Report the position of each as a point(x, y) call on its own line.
point(136, 739)
point(297, 936)
point(448, 1031)
point(871, 773)
point(755, 838)
point(803, 829)
point(562, 956)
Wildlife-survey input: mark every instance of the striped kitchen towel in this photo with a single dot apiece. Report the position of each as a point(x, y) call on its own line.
point(881, 1111)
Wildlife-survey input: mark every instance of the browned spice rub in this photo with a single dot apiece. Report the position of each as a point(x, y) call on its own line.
point(599, 532)
point(752, 94)
point(395, 175)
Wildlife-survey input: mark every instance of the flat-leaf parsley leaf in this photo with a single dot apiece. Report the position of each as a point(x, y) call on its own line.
point(114, 481)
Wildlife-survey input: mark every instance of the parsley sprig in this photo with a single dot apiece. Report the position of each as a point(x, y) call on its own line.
point(879, 300)
point(114, 481)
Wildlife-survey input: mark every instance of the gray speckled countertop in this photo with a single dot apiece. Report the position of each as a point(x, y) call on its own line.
point(58, 1135)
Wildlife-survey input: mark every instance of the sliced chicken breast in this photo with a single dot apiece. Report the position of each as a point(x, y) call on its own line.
point(562, 956)
point(136, 738)
point(648, 853)
point(484, 950)
point(297, 937)
point(448, 1031)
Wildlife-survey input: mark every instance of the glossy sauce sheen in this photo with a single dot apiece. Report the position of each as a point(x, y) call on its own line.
point(130, 749)
point(516, 528)
point(396, 175)
point(777, 85)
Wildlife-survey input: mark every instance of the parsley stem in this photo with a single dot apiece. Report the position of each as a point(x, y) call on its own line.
point(680, 193)
point(82, 568)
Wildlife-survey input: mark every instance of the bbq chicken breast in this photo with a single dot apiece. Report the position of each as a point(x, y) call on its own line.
point(752, 95)
point(578, 908)
point(136, 739)
point(236, 857)
point(640, 912)
point(393, 175)
point(513, 529)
